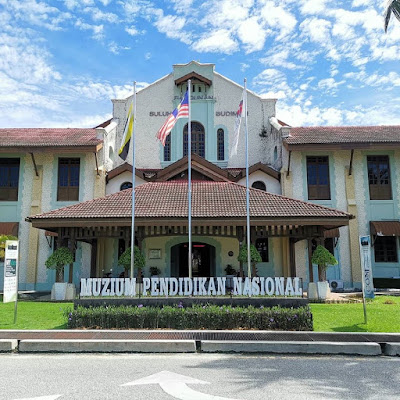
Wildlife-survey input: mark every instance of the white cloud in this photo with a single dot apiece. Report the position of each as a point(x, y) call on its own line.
point(97, 30)
point(244, 66)
point(317, 30)
point(219, 41)
point(313, 6)
point(25, 61)
point(115, 48)
point(279, 59)
point(172, 26)
point(278, 18)
point(329, 85)
point(131, 30)
point(252, 34)
point(36, 13)
point(98, 15)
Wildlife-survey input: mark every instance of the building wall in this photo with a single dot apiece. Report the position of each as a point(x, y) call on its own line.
point(37, 195)
point(349, 193)
point(272, 184)
point(214, 108)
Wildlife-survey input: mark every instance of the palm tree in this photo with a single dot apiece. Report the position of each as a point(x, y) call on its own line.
point(393, 7)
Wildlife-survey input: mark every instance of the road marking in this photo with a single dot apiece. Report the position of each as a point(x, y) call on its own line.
point(176, 386)
point(54, 397)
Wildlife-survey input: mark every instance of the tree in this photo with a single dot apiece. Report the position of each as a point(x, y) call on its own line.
point(125, 260)
point(323, 258)
point(61, 257)
point(393, 7)
point(254, 258)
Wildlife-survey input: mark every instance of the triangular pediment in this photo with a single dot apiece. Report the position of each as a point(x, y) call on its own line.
point(195, 77)
point(204, 170)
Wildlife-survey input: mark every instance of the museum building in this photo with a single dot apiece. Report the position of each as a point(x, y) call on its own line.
point(68, 187)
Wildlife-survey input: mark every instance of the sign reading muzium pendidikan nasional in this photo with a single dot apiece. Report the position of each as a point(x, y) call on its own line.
point(164, 287)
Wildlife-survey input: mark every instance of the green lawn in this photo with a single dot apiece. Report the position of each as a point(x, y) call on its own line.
point(34, 315)
point(327, 317)
point(381, 317)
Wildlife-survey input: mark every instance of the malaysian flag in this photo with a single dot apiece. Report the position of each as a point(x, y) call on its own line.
point(182, 111)
point(236, 130)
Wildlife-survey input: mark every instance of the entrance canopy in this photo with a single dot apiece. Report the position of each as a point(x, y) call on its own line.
point(213, 204)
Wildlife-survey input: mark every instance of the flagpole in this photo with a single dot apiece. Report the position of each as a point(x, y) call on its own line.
point(190, 182)
point(133, 182)
point(247, 181)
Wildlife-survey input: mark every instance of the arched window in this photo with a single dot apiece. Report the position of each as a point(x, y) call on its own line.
point(259, 185)
point(167, 148)
point(126, 185)
point(220, 144)
point(198, 139)
point(275, 153)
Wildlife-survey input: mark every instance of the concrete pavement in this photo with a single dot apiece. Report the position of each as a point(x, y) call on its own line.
point(197, 377)
point(173, 341)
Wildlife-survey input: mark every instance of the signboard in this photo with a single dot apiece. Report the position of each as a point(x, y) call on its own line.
point(10, 271)
point(366, 268)
point(164, 287)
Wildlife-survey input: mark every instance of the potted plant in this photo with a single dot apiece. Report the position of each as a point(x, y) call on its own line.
point(154, 271)
point(125, 261)
point(254, 258)
point(323, 258)
point(57, 261)
point(230, 271)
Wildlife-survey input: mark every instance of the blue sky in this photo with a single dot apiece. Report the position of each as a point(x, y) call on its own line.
point(328, 62)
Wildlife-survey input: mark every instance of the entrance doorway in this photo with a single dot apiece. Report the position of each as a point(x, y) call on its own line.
point(203, 260)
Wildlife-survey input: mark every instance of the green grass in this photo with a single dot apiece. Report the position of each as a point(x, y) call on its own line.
point(327, 317)
point(381, 317)
point(34, 315)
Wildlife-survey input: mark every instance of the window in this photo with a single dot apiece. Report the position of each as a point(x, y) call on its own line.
point(68, 179)
point(126, 185)
point(385, 249)
point(167, 148)
point(259, 185)
point(318, 178)
point(220, 144)
point(262, 248)
point(198, 139)
point(9, 178)
point(380, 187)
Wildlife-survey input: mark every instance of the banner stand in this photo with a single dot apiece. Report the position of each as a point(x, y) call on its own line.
point(10, 292)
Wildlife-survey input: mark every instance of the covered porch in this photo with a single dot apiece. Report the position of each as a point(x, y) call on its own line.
point(218, 229)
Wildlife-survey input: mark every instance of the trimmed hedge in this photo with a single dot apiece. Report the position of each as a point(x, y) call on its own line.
point(195, 317)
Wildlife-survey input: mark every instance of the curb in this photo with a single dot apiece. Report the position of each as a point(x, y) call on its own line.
point(106, 346)
point(392, 349)
point(348, 348)
point(8, 345)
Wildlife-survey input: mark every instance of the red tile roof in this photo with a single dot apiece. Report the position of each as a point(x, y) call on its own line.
point(209, 200)
point(344, 134)
point(48, 137)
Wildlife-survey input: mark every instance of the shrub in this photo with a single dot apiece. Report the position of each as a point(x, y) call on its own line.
point(125, 259)
point(323, 258)
point(194, 317)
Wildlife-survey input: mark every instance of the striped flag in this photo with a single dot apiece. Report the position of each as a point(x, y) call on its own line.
point(123, 151)
point(236, 130)
point(182, 111)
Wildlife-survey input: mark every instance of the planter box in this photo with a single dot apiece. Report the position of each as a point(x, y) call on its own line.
point(323, 290)
point(63, 291)
point(312, 292)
